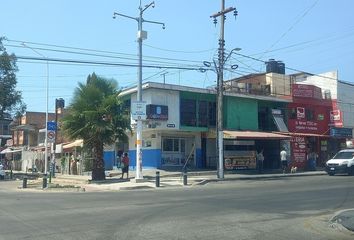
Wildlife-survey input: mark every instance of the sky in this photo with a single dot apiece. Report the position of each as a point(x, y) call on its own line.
point(314, 36)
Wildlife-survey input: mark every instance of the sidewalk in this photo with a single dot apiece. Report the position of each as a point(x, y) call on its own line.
point(167, 179)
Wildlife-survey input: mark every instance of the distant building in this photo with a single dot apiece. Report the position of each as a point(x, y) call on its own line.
point(5, 133)
point(26, 129)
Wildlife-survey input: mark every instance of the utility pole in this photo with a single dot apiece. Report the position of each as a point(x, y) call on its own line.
point(220, 83)
point(164, 77)
point(142, 35)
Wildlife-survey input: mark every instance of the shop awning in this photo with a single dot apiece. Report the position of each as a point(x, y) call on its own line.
point(9, 150)
point(24, 127)
point(254, 135)
point(76, 143)
point(296, 134)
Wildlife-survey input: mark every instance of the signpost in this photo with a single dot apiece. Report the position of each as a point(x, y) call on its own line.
point(138, 110)
point(51, 128)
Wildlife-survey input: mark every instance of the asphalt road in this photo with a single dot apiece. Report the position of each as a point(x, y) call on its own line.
point(277, 209)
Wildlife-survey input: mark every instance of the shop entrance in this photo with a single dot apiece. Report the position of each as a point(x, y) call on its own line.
point(176, 150)
point(271, 150)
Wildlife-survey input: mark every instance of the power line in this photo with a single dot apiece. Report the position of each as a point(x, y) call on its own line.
point(102, 52)
point(179, 51)
point(292, 26)
point(55, 60)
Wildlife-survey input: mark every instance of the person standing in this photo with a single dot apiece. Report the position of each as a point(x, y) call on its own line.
point(312, 159)
point(119, 158)
point(283, 160)
point(125, 167)
point(260, 159)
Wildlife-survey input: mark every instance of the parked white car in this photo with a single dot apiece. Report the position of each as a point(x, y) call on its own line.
point(342, 162)
point(2, 172)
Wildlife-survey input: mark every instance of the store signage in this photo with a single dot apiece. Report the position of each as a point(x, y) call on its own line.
point(335, 118)
point(157, 112)
point(171, 125)
point(341, 132)
point(306, 91)
point(298, 146)
point(300, 112)
point(306, 126)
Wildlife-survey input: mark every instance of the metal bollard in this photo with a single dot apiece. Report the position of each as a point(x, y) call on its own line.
point(45, 181)
point(185, 177)
point(24, 183)
point(11, 174)
point(157, 179)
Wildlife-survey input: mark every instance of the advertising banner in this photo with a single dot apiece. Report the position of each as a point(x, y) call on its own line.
point(298, 146)
point(306, 91)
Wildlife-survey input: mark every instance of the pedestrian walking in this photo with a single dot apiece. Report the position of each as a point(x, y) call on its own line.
point(260, 159)
point(283, 160)
point(125, 167)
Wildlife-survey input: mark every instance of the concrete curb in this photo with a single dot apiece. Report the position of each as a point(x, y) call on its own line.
point(257, 177)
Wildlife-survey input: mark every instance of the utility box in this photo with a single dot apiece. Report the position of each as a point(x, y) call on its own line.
point(142, 35)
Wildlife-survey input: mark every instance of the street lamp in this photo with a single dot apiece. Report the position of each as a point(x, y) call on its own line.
point(142, 35)
point(46, 112)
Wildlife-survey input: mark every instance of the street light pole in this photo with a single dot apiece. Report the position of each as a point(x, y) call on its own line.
point(142, 35)
point(46, 112)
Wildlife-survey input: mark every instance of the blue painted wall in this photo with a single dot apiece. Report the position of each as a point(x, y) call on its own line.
point(108, 157)
point(151, 158)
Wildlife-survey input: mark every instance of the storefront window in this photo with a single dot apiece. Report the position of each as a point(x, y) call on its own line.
point(173, 151)
point(167, 145)
point(203, 114)
point(172, 145)
point(183, 147)
point(212, 114)
point(188, 112)
point(176, 145)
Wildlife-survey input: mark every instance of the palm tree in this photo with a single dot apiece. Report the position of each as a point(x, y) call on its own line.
point(96, 115)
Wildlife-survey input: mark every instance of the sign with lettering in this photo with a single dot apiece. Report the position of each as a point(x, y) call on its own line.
point(138, 110)
point(306, 91)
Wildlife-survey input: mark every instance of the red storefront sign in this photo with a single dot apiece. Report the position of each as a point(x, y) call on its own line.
point(335, 118)
point(306, 91)
point(309, 119)
point(298, 147)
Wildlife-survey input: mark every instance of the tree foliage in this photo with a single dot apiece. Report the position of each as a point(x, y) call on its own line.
point(96, 115)
point(10, 99)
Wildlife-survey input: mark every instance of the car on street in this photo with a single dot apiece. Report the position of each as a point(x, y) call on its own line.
point(342, 162)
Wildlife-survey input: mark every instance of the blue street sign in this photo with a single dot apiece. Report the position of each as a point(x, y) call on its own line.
point(51, 126)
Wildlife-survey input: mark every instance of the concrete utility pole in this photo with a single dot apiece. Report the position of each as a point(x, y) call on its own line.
point(142, 35)
point(220, 87)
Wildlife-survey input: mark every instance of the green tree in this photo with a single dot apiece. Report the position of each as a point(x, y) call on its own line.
point(10, 99)
point(97, 115)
